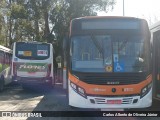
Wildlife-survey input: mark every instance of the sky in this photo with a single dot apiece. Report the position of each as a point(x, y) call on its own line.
point(146, 9)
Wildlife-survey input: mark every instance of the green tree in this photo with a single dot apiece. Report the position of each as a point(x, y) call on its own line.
point(44, 20)
point(3, 27)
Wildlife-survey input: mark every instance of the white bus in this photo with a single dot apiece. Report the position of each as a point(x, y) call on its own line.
point(32, 63)
point(5, 62)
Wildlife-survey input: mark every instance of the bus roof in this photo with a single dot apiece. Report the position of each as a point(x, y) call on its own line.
point(36, 42)
point(108, 17)
point(5, 49)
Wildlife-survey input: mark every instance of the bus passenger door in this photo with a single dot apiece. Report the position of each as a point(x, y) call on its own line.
point(156, 67)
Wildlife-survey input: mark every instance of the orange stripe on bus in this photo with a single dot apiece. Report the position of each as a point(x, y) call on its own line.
point(107, 89)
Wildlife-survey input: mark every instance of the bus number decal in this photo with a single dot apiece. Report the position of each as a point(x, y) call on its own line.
point(42, 52)
point(27, 53)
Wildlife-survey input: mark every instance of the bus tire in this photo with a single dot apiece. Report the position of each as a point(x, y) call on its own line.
point(1, 84)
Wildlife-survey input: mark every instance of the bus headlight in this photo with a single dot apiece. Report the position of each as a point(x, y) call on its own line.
point(73, 86)
point(145, 90)
point(78, 90)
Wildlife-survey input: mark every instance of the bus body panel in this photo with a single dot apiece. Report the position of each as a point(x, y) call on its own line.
point(130, 89)
point(32, 69)
point(126, 95)
point(5, 66)
point(101, 102)
point(5, 58)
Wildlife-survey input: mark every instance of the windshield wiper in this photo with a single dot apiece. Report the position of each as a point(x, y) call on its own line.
point(98, 46)
point(123, 44)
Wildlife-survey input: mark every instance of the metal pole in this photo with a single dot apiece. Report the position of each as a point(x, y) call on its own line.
point(123, 7)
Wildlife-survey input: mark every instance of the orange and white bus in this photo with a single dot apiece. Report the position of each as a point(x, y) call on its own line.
point(32, 63)
point(109, 63)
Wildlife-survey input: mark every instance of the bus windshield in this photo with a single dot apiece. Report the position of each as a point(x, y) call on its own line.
point(107, 53)
point(32, 51)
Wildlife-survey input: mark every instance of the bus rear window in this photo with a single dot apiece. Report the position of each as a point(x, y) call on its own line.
point(32, 51)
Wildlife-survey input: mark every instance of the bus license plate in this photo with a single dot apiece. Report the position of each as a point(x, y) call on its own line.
point(114, 101)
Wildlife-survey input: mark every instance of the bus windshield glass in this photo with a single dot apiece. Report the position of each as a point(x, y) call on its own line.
point(32, 51)
point(108, 53)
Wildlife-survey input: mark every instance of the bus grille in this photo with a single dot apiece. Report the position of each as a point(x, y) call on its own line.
point(112, 79)
point(103, 100)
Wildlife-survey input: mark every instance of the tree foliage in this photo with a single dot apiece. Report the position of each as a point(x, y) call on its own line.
point(44, 20)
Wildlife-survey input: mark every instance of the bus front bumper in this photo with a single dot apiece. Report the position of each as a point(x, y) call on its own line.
point(28, 80)
point(77, 100)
